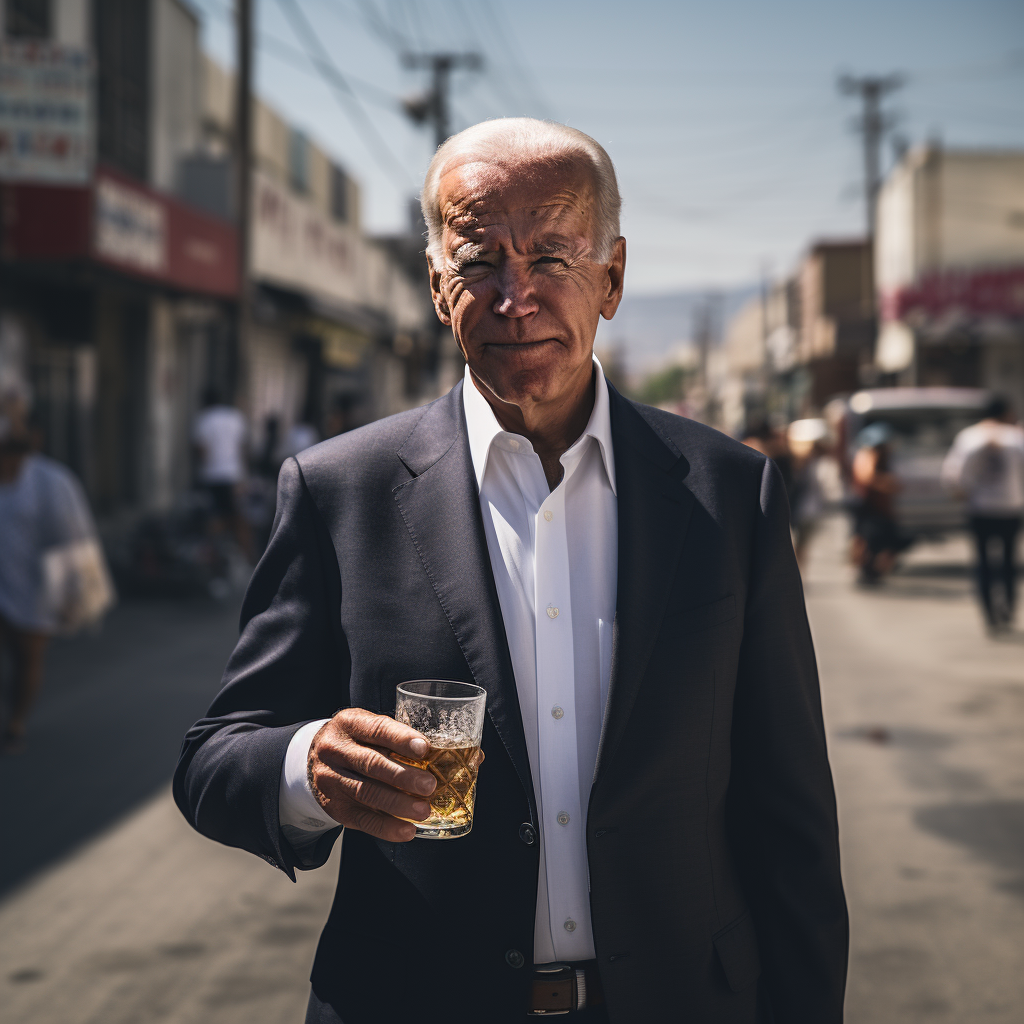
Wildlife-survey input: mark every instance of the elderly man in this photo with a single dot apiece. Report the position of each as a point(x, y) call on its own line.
point(655, 834)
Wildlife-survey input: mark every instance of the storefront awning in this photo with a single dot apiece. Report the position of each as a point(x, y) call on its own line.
point(119, 223)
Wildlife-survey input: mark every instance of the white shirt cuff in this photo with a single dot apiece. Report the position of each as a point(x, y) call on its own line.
point(295, 803)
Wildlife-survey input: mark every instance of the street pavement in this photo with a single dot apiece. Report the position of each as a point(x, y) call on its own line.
point(116, 913)
point(925, 716)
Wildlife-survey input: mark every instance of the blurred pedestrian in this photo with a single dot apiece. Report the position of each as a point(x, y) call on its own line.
point(53, 577)
point(876, 539)
point(807, 498)
point(219, 436)
point(339, 417)
point(297, 438)
point(986, 465)
point(763, 437)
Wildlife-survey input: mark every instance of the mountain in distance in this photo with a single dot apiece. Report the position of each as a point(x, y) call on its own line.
point(649, 331)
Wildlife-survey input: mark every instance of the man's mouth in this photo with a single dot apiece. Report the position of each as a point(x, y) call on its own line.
point(518, 344)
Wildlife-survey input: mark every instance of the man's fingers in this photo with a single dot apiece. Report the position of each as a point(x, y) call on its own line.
point(383, 826)
point(375, 795)
point(381, 731)
point(349, 755)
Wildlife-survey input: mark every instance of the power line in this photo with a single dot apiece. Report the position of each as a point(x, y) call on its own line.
point(498, 84)
point(274, 46)
point(384, 31)
point(501, 37)
point(343, 92)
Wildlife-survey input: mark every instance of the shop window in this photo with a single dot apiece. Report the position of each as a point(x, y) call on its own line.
point(339, 194)
point(298, 161)
point(122, 57)
point(27, 19)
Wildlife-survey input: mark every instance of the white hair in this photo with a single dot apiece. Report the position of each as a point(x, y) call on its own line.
point(507, 140)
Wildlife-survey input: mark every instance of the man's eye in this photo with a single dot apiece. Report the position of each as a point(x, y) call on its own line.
point(478, 264)
point(551, 259)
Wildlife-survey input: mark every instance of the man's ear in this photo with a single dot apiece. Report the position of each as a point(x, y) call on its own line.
point(440, 302)
point(616, 272)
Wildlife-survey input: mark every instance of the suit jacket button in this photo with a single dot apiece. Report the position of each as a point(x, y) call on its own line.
point(527, 833)
point(514, 958)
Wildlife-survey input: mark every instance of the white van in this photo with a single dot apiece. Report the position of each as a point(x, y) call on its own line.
point(924, 422)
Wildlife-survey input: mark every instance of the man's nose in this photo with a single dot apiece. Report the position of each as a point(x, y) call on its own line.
point(516, 296)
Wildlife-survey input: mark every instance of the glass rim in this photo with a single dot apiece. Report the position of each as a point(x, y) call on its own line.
point(480, 691)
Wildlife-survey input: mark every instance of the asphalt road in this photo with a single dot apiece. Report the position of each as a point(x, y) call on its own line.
point(116, 912)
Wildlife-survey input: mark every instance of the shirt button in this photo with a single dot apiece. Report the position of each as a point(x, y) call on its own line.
point(514, 958)
point(514, 445)
point(570, 925)
point(552, 612)
point(548, 514)
point(563, 818)
point(527, 833)
point(557, 712)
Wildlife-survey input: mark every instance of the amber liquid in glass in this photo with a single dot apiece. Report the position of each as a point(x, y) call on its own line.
point(451, 803)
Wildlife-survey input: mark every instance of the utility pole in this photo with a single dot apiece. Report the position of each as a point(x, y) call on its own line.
point(243, 186)
point(434, 106)
point(872, 125)
point(705, 322)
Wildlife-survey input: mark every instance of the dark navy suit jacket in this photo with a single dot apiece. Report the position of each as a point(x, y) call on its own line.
point(711, 830)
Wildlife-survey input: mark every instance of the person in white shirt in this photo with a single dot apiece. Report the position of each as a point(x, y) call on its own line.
point(655, 833)
point(986, 464)
point(219, 436)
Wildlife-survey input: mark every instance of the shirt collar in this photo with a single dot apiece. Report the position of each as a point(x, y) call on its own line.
point(485, 430)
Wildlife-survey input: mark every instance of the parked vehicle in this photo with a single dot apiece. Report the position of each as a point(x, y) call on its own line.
point(923, 422)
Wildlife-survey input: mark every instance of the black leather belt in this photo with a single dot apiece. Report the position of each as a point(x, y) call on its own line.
point(562, 988)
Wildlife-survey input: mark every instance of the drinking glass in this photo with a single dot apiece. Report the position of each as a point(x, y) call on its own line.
point(451, 716)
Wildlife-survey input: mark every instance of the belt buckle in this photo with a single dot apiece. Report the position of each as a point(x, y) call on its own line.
point(556, 988)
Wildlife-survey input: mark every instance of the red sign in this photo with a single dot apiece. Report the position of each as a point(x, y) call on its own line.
point(975, 293)
point(125, 225)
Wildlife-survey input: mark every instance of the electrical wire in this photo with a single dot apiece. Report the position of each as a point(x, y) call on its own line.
point(343, 92)
point(274, 46)
point(501, 35)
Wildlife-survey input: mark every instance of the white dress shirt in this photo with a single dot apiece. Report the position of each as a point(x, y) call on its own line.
point(554, 558)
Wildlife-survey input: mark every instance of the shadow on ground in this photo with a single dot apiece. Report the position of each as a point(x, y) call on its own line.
point(106, 733)
point(993, 831)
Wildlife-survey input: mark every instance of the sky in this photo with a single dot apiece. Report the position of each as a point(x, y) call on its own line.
point(733, 145)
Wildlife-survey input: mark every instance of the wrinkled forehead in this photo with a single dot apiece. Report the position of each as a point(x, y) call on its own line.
point(545, 194)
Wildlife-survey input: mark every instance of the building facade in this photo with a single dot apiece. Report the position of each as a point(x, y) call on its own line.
point(801, 341)
point(950, 270)
point(119, 263)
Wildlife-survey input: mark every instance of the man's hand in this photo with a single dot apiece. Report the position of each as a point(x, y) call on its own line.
point(358, 785)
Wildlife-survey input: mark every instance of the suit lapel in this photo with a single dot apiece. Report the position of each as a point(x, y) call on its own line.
point(441, 509)
point(654, 508)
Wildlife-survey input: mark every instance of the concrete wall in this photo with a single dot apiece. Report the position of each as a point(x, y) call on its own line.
point(176, 90)
point(271, 136)
point(949, 209)
point(217, 104)
point(72, 22)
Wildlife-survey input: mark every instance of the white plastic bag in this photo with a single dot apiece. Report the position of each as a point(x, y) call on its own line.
point(79, 590)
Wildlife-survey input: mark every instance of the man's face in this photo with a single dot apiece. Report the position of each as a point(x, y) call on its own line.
point(517, 282)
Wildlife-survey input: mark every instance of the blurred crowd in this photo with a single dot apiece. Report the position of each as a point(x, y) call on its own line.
point(981, 474)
